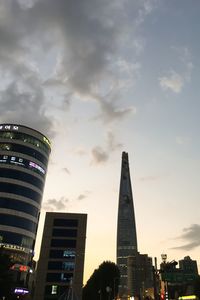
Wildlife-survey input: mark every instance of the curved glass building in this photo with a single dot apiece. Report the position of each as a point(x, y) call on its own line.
point(24, 154)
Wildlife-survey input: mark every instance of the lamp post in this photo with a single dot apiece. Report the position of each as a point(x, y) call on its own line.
point(115, 287)
point(108, 290)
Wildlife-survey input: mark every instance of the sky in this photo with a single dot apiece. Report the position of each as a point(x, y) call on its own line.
point(102, 77)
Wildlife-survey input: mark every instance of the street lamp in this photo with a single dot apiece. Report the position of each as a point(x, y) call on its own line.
point(108, 290)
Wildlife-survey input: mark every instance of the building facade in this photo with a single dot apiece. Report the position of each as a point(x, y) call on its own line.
point(61, 262)
point(188, 266)
point(126, 226)
point(24, 154)
point(140, 275)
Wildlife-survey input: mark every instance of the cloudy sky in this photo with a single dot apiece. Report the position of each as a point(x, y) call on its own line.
point(102, 77)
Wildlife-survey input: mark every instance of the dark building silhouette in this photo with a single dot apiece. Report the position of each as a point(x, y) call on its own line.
point(178, 281)
point(135, 268)
point(60, 266)
point(188, 265)
point(24, 154)
point(140, 276)
point(126, 227)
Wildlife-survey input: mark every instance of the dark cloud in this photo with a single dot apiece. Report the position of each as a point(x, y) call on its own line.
point(112, 143)
point(66, 170)
point(71, 44)
point(55, 204)
point(81, 197)
point(192, 237)
point(25, 104)
point(99, 155)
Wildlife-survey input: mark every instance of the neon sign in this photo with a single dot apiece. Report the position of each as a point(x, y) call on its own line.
point(7, 159)
point(9, 127)
point(21, 291)
point(36, 166)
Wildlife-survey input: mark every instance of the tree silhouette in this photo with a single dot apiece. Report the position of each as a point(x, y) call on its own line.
point(5, 275)
point(103, 283)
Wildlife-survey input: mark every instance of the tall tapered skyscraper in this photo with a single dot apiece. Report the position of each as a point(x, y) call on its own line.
point(126, 227)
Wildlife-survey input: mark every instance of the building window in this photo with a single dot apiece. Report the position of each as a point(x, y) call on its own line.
point(18, 205)
point(69, 253)
point(26, 139)
point(64, 232)
point(11, 188)
point(68, 265)
point(16, 239)
point(59, 277)
point(19, 222)
point(66, 277)
point(65, 222)
point(63, 243)
point(25, 150)
point(22, 176)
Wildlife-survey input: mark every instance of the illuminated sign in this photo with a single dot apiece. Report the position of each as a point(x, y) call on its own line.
point(189, 297)
point(36, 166)
point(16, 248)
point(9, 127)
point(20, 291)
point(12, 247)
point(21, 268)
point(14, 160)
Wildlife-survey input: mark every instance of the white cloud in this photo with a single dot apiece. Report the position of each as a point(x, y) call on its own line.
point(173, 82)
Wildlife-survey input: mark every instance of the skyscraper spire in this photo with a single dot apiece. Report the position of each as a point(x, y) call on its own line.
point(126, 227)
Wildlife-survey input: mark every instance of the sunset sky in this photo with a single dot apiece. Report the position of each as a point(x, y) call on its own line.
point(99, 77)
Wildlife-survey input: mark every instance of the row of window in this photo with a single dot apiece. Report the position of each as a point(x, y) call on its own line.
point(18, 175)
point(61, 265)
point(63, 243)
point(59, 277)
point(19, 206)
point(26, 138)
point(22, 162)
point(64, 232)
point(19, 222)
point(67, 253)
point(65, 222)
point(19, 190)
point(16, 239)
point(25, 150)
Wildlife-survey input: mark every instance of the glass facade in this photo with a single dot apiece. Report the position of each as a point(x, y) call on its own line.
point(26, 138)
point(22, 206)
point(16, 239)
point(22, 176)
point(24, 154)
point(69, 253)
point(23, 149)
point(20, 190)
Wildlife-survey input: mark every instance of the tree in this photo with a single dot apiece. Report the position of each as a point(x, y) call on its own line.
point(5, 276)
point(103, 283)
